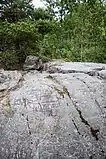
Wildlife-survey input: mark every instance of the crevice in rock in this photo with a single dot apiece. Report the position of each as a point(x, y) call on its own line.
point(57, 70)
point(99, 68)
point(29, 129)
point(2, 90)
point(94, 72)
point(53, 79)
point(92, 130)
point(97, 103)
point(27, 117)
point(5, 92)
point(83, 82)
point(61, 93)
point(76, 127)
point(92, 97)
point(19, 83)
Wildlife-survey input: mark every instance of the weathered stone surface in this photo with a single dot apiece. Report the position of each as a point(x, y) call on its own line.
point(2, 78)
point(102, 74)
point(59, 115)
point(32, 63)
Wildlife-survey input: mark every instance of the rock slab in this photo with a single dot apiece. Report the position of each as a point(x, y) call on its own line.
point(59, 115)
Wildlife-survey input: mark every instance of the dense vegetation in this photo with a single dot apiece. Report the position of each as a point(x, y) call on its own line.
point(74, 30)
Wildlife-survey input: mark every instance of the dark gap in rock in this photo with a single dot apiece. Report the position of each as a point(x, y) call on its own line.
point(83, 82)
point(76, 127)
point(93, 131)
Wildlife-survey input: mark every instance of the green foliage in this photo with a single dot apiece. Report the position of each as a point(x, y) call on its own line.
point(42, 14)
point(44, 26)
point(20, 38)
point(87, 30)
point(9, 60)
point(78, 33)
point(15, 10)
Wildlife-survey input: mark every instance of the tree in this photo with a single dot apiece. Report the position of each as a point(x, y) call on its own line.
point(42, 14)
point(87, 28)
point(14, 10)
point(60, 8)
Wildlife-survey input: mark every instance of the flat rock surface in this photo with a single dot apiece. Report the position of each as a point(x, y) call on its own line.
point(60, 115)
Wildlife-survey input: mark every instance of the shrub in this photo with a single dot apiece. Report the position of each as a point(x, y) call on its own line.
point(9, 60)
point(19, 38)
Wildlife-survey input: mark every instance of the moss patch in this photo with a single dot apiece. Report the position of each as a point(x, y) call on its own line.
point(61, 93)
point(53, 79)
point(7, 110)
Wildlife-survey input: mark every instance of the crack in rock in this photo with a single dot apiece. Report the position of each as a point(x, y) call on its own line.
point(48, 117)
point(27, 117)
point(76, 127)
point(5, 92)
point(94, 132)
point(98, 72)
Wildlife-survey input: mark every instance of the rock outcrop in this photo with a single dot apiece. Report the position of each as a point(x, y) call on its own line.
point(58, 114)
point(33, 63)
